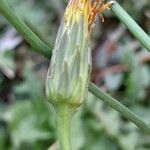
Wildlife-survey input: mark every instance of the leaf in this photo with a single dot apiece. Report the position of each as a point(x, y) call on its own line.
point(29, 123)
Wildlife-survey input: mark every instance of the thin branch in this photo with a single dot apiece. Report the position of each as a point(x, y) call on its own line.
point(24, 30)
point(119, 107)
point(134, 28)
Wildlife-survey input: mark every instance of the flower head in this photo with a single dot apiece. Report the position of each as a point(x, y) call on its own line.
point(70, 68)
point(89, 9)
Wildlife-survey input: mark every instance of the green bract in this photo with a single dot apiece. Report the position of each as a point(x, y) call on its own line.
point(70, 66)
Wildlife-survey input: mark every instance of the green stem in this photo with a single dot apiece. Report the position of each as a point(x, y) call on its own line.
point(64, 119)
point(134, 28)
point(119, 107)
point(20, 26)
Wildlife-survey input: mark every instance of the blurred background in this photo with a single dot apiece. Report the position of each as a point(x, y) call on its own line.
point(121, 67)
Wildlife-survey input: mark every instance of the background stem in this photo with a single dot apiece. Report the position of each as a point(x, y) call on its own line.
point(22, 28)
point(134, 28)
point(64, 120)
point(119, 107)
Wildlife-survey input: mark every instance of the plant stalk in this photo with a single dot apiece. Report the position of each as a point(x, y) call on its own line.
point(64, 115)
point(134, 28)
point(22, 28)
point(119, 107)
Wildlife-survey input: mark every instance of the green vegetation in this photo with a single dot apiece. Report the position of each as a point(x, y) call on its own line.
point(25, 121)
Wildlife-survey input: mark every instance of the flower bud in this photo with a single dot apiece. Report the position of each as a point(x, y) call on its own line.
point(69, 72)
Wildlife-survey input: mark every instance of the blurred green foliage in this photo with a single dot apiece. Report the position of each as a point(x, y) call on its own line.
point(28, 121)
